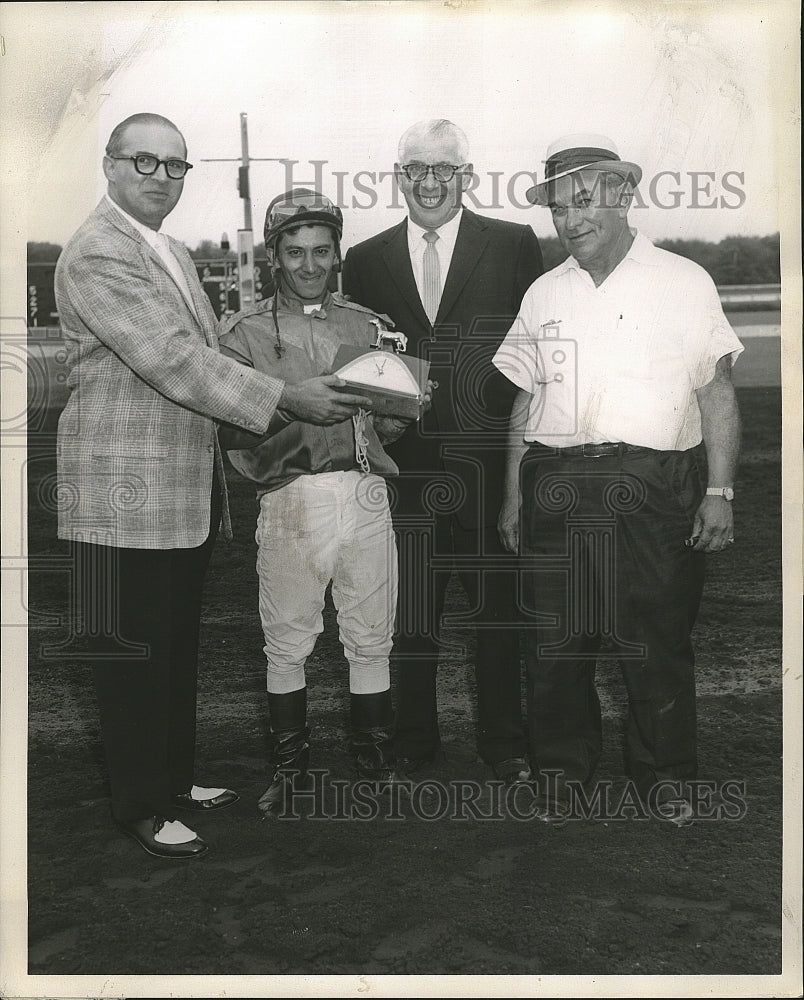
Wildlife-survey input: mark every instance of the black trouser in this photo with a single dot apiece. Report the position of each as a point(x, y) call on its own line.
point(427, 556)
point(142, 608)
point(605, 537)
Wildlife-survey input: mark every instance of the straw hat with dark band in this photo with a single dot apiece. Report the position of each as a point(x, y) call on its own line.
point(581, 151)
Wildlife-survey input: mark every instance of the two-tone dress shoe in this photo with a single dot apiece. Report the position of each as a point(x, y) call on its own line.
point(163, 838)
point(203, 799)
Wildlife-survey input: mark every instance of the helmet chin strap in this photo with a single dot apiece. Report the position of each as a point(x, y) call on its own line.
point(278, 340)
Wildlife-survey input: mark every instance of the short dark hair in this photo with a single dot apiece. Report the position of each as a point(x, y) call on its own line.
point(115, 143)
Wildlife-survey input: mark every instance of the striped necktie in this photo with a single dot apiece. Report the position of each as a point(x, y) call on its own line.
point(432, 275)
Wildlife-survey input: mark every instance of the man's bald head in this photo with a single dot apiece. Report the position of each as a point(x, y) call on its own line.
point(434, 131)
point(118, 136)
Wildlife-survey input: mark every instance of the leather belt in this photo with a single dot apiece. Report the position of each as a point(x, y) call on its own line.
point(589, 450)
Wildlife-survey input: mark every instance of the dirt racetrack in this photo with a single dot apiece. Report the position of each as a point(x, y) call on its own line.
point(433, 888)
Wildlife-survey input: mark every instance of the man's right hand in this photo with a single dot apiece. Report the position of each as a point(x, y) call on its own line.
point(319, 401)
point(508, 525)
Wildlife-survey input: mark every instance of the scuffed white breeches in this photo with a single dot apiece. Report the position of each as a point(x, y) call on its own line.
point(331, 526)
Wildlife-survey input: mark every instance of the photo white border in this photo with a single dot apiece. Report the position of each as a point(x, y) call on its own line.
point(14, 981)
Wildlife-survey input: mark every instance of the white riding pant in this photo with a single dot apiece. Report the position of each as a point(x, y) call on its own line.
point(333, 526)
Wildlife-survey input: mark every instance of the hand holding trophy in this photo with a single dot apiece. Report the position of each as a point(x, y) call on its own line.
point(397, 385)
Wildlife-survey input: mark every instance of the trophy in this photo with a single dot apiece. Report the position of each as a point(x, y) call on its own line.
point(394, 382)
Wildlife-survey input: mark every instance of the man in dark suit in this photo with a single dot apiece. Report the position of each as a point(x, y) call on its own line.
point(452, 281)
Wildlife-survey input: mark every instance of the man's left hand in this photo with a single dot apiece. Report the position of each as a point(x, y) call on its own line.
point(427, 400)
point(390, 428)
point(713, 526)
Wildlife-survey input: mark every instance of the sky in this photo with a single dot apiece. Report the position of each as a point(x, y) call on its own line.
point(697, 93)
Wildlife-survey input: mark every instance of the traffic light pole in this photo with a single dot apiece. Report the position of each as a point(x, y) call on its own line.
point(243, 184)
point(245, 236)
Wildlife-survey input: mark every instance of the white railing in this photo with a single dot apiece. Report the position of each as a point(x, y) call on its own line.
point(733, 295)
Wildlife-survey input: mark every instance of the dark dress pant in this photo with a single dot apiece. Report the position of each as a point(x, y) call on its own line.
point(142, 610)
point(606, 572)
point(428, 555)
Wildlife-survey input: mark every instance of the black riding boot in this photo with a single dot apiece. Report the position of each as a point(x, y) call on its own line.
point(290, 747)
point(371, 741)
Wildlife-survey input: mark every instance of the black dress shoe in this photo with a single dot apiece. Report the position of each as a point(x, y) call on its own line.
point(675, 811)
point(512, 771)
point(185, 801)
point(408, 766)
point(551, 809)
point(144, 832)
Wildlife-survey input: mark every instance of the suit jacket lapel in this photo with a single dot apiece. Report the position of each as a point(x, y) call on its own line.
point(200, 300)
point(397, 260)
point(119, 222)
point(471, 242)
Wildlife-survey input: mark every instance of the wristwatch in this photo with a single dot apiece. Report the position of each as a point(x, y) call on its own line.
point(721, 491)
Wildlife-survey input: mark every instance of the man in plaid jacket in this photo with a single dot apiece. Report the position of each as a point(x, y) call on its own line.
point(142, 492)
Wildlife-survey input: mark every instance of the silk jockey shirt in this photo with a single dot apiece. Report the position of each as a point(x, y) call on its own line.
point(622, 361)
point(309, 341)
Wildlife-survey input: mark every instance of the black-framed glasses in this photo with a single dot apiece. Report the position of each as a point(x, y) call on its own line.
point(147, 164)
point(443, 172)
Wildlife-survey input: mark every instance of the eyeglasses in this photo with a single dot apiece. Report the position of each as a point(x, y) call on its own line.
point(443, 172)
point(147, 164)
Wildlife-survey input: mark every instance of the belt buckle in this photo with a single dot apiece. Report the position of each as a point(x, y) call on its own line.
point(589, 454)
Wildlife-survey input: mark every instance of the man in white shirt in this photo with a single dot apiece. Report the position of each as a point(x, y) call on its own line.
point(622, 358)
point(141, 486)
point(452, 282)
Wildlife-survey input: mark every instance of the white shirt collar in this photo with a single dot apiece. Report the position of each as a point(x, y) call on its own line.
point(448, 233)
point(641, 250)
point(149, 234)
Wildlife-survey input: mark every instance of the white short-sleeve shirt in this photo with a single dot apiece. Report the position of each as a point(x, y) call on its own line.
point(620, 362)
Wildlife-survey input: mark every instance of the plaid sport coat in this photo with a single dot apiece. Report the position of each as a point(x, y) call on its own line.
point(137, 440)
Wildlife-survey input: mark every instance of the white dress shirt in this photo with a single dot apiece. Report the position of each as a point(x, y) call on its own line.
point(159, 242)
point(444, 245)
